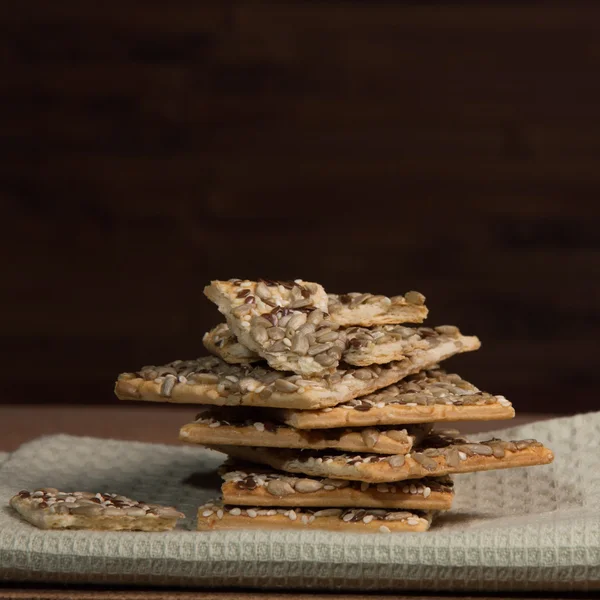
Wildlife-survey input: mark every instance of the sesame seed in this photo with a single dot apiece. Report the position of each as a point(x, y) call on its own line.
point(384, 529)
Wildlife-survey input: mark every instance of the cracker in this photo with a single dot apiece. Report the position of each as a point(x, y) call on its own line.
point(209, 380)
point(237, 427)
point(378, 345)
point(48, 508)
point(368, 309)
point(253, 485)
point(215, 516)
point(279, 321)
point(384, 343)
point(221, 342)
point(441, 454)
point(426, 397)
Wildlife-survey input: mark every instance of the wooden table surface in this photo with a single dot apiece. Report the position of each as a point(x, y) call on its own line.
point(158, 423)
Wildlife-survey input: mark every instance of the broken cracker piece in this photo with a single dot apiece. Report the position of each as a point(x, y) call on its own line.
point(278, 321)
point(49, 508)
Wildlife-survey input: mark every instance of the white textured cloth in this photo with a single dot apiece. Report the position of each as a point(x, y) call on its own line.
point(3, 457)
point(522, 529)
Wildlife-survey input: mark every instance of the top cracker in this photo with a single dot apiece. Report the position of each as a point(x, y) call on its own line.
point(279, 319)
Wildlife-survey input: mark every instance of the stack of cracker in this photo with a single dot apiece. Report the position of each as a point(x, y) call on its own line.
point(325, 405)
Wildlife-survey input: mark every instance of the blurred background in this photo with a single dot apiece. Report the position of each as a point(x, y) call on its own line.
point(149, 147)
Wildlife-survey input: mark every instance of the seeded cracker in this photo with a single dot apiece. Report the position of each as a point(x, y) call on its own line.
point(279, 321)
point(253, 485)
point(209, 380)
point(246, 428)
point(48, 508)
point(378, 345)
point(368, 309)
point(426, 397)
point(215, 516)
point(441, 454)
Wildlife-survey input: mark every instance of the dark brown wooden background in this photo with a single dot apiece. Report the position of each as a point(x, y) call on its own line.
point(372, 146)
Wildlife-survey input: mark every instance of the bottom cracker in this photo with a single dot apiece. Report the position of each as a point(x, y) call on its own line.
point(215, 516)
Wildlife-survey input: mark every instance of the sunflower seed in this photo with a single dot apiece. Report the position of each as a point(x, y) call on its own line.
point(397, 435)
point(498, 451)
point(481, 449)
point(450, 330)
point(327, 336)
point(325, 360)
point(363, 374)
point(276, 333)
point(318, 348)
point(296, 321)
point(259, 334)
point(397, 516)
point(397, 460)
point(278, 346)
point(452, 457)
point(306, 486)
point(277, 487)
point(370, 436)
point(262, 291)
point(283, 385)
point(241, 310)
point(328, 512)
point(167, 385)
point(300, 344)
point(415, 298)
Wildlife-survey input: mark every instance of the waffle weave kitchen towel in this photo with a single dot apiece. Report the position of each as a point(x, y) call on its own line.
point(522, 529)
